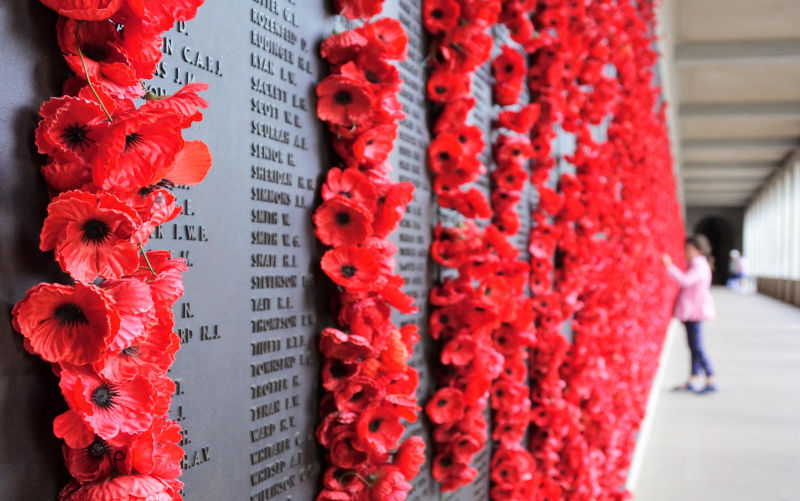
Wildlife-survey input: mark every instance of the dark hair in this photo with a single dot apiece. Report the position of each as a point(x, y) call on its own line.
point(701, 243)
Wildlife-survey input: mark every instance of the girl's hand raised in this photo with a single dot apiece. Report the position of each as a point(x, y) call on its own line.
point(666, 259)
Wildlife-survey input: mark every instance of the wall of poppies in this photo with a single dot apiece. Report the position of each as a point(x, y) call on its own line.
point(561, 348)
point(552, 208)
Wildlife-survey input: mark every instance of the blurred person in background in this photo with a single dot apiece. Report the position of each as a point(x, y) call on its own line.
point(693, 306)
point(737, 271)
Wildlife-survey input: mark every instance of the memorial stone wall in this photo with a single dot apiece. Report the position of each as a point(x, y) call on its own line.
point(248, 368)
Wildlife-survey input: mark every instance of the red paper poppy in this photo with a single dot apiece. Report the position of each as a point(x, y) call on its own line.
point(92, 10)
point(91, 235)
point(410, 457)
point(150, 353)
point(444, 86)
point(125, 488)
point(344, 101)
point(342, 221)
point(62, 323)
point(392, 202)
point(165, 285)
point(353, 268)
point(70, 129)
point(138, 148)
point(440, 15)
point(387, 484)
point(350, 183)
point(358, 9)
point(386, 38)
point(379, 427)
point(446, 406)
point(108, 408)
point(156, 451)
point(96, 45)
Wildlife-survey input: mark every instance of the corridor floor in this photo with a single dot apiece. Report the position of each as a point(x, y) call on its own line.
point(742, 443)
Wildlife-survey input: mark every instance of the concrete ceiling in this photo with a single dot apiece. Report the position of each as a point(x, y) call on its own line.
point(737, 76)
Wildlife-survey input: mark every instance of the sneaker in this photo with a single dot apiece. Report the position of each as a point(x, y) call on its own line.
point(686, 387)
point(710, 388)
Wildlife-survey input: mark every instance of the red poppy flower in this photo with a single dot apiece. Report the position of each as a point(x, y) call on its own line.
point(92, 10)
point(444, 86)
point(342, 221)
point(353, 268)
point(342, 47)
point(134, 304)
point(521, 30)
point(358, 9)
point(344, 101)
point(379, 427)
point(105, 61)
point(64, 175)
point(125, 488)
point(446, 406)
point(138, 148)
point(62, 323)
point(70, 128)
point(444, 153)
point(87, 456)
point(159, 15)
point(392, 203)
point(156, 451)
point(520, 121)
point(166, 285)
point(149, 353)
point(350, 183)
point(91, 235)
point(375, 144)
point(349, 348)
point(108, 408)
point(472, 204)
point(454, 114)
point(410, 456)
point(387, 38)
point(186, 103)
point(440, 15)
point(387, 484)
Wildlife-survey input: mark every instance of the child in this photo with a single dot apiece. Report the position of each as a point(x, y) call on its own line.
point(694, 305)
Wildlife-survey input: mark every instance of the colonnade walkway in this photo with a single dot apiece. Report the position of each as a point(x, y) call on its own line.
point(743, 442)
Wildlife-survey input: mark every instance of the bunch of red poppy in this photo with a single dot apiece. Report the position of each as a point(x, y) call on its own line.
point(512, 465)
point(370, 388)
point(595, 240)
point(110, 335)
point(464, 316)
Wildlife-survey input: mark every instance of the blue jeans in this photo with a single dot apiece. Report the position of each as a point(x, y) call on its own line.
point(699, 360)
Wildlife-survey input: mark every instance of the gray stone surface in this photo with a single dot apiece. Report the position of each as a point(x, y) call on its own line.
point(742, 443)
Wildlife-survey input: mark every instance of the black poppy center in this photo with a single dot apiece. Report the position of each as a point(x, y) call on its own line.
point(441, 402)
point(131, 351)
point(342, 218)
point(95, 231)
point(76, 136)
point(446, 461)
point(96, 52)
point(98, 448)
point(343, 98)
point(509, 68)
point(444, 156)
point(103, 396)
point(371, 76)
point(349, 270)
point(375, 425)
point(440, 89)
point(437, 14)
point(132, 140)
point(443, 319)
point(338, 370)
point(70, 315)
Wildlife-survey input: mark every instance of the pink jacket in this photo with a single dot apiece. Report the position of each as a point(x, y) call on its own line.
point(694, 303)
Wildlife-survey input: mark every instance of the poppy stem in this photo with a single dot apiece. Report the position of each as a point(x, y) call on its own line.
point(86, 72)
point(357, 475)
point(146, 260)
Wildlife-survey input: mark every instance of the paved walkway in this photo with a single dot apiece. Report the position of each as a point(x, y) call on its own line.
point(742, 443)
